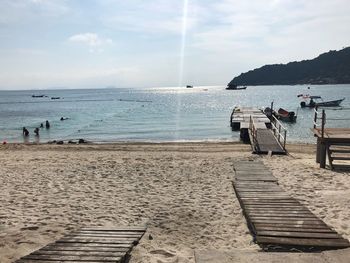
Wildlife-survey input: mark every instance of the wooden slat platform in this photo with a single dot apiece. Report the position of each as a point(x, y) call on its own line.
point(256, 173)
point(240, 117)
point(89, 245)
point(266, 142)
point(276, 219)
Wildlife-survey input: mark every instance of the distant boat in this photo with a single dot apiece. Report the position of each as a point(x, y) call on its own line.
point(38, 96)
point(317, 101)
point(235, 87)
point(189, 86)
point(55, 98)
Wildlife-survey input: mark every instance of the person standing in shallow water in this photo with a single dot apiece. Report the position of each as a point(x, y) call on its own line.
point(36, 131)
point(47, 124)
point(25, 132)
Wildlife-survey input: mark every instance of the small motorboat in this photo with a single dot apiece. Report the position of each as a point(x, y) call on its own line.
point(189, 86)
point(285, 115)
point(55, 98)
point(235, 87)
point(38, 96)
point(317, 101)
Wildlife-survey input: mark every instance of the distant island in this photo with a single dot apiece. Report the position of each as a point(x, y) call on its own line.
point(332, 67)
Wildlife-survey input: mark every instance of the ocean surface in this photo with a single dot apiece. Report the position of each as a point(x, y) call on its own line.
point(201, 113)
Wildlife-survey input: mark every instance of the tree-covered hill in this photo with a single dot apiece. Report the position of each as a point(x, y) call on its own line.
point(332, 67)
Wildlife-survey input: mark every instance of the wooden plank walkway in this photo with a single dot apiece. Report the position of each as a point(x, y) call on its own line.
point(89, 245)
point(266, 142)
point(277, 220)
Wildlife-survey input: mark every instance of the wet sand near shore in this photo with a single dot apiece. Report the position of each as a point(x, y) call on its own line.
point(182, 191)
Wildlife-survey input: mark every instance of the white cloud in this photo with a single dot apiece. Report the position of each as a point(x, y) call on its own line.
point(159, 17)
point(92, 40)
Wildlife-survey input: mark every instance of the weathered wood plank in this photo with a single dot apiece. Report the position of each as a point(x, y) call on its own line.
point(93, 240)
point(101, 236)
point(298, 234)
point(55, 261)
point(85, 232)
point(78, 253)
point(132, 229)
point(293, 229)
point(303, 241)
point(86, 248)
point(269, 202)
point(275, 217)
point(289, 222)
point(278, 215)
point(120, 237)
point(73, 258)
point(79, 244)
point(291, 225)
point(284, 210)
point(286, 206)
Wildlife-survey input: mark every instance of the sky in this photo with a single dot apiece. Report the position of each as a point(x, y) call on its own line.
point(156, 43)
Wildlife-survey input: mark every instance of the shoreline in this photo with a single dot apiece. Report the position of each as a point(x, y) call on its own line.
point(175, 146)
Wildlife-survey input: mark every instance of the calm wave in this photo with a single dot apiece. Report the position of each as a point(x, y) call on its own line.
point(155, 114)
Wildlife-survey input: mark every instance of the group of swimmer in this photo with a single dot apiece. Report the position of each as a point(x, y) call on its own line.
point(36, 130)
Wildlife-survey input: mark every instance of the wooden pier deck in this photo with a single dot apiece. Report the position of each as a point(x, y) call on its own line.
point(276, 220)
point(255, 127)
point(89, 245)
point(334, 142)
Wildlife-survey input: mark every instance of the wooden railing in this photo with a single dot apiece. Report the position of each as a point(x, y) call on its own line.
point(278, 129)
point(322, 118)
point(253, 130)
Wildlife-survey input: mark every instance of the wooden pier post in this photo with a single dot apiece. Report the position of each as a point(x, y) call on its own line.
point(318, 150)
point(323, 154)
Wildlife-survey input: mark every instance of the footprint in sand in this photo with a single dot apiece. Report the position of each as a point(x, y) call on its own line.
point(162, 252)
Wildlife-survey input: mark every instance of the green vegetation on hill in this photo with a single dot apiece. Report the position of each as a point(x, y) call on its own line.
point(332, 67)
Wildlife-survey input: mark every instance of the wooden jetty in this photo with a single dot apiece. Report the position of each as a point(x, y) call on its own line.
point(89, 245)
point(255, 127)
point(276, 220)
point(334, 142)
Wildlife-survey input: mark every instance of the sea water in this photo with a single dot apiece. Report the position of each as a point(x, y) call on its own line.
point(165, 114)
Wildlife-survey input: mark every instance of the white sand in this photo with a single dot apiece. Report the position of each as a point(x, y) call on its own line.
point(183, 192)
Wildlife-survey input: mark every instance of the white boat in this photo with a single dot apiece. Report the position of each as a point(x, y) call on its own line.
point(317, 101)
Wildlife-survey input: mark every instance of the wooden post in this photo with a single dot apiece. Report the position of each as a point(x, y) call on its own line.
point(323, 122)
point(318, 150)
point(323, 154)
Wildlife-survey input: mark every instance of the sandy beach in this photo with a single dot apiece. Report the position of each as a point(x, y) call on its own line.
point(182, 191)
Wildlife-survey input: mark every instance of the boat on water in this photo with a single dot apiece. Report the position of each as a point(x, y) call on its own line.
point(189, 86)
point(317, 101)
point(38, 96)
point(235, 87)
point(284, 115)
point(281, 114)
point(55, 98)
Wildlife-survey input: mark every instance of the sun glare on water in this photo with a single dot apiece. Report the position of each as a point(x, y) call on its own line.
point(182, 59)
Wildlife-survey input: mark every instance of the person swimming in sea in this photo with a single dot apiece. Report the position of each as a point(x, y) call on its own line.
point(64, 118)
point(47, 124)
point(36, 131)
point(25, 132)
